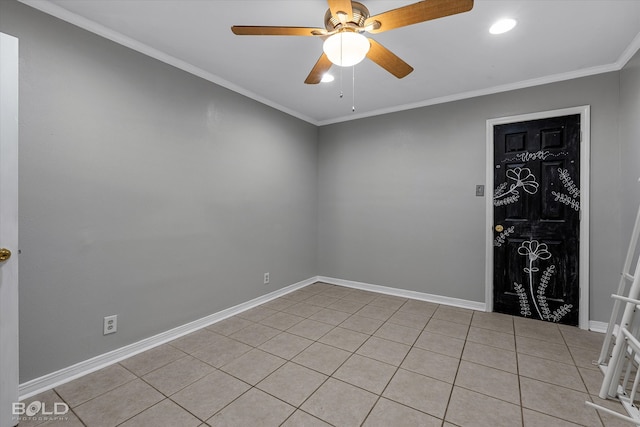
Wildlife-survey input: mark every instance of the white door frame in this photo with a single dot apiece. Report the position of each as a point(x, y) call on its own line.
point(8, 227)
point(585, 114)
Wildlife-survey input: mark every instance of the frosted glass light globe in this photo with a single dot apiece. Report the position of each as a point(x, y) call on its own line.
point(346, 48)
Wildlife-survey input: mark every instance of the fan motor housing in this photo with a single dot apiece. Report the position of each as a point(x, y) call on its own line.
point(360, 15)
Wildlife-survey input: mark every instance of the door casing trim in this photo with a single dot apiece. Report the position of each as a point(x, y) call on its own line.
point(585, 150)
point(9, 347)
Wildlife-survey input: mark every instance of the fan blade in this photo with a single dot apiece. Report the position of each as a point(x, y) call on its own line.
point(414, 13)
point(250, 30)
point(321, 67)
point(388, 60)
point(341, 9)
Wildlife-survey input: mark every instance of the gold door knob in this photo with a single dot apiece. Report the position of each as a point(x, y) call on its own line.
point(5, 254)
point(499, 228)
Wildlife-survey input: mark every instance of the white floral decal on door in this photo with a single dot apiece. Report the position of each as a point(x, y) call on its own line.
point(571, 199)
point(535, 251)
point(522, 178)
point(502, 237)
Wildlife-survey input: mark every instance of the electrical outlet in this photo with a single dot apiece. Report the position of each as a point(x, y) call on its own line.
point(266, 278)
point(110, 325)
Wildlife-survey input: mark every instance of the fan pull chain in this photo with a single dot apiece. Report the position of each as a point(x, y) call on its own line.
point(341, 92)
point(353, 86)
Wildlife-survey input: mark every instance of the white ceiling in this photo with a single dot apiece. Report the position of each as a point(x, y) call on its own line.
point(454, 57)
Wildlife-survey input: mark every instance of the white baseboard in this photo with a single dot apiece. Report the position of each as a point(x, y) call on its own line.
point(455, 302)
point(54, 379)
point(596, 326)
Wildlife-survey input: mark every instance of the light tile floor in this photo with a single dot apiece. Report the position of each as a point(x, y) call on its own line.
point(328, 355)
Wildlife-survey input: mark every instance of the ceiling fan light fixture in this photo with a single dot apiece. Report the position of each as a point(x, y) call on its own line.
point(503, 25)
point(346, 48)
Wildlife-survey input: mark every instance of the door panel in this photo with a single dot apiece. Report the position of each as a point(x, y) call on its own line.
point(550, 210)
point(537, 218)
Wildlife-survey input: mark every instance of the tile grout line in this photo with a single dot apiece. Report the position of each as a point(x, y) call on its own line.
point(553, 384)
point(328, 376)
point(251, 386)
point(398, 367)
point(371, 304)
point(299, 407)
point(455, 377)
point(352, 353)
point(515, 345)
point(70, 408)
point(290, 360)
point(580, 375)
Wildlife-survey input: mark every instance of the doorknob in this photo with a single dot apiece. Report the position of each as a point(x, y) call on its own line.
point(5, 254)
point(499, 228)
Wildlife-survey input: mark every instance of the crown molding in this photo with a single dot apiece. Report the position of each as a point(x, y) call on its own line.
point(61, 13)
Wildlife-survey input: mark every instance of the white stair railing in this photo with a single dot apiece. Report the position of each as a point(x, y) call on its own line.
point(624, 355)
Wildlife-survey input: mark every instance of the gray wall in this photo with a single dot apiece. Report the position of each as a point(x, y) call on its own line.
point(145, 192)
point(397, 205)
point(630, 144)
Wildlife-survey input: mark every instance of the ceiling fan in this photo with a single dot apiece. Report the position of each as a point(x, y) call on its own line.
point(345, 23)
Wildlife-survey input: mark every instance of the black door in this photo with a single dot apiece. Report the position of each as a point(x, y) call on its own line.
point(537, 218)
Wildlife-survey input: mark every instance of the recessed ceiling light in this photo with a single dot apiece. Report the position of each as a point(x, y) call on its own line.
point(327, 78)
point(502, 26)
